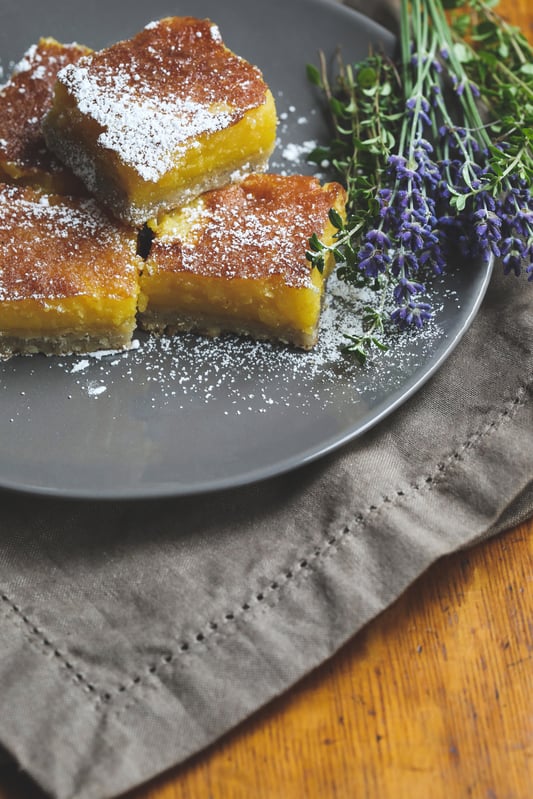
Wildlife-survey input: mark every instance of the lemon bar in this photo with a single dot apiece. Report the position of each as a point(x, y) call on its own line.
point(69, 276)
point(151, 122)
point(24, 101)
point(234, 260)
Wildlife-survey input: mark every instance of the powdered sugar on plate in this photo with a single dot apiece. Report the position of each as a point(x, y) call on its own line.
point(251, 376)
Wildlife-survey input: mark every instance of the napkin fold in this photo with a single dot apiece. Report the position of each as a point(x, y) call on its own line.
point(134, 634)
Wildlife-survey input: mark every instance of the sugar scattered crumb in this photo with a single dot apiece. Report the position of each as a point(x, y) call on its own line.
point(94, 389)
point(80, 366)
point(294, 152)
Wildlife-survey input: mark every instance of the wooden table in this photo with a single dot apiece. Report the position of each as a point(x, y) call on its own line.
point(433, 700)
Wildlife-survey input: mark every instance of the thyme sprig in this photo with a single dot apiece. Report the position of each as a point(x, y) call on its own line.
point(435, 150)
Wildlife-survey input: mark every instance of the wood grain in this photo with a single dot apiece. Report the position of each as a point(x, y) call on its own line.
point(433, 699)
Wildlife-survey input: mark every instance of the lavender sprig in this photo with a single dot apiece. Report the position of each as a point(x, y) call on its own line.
point(425, 172)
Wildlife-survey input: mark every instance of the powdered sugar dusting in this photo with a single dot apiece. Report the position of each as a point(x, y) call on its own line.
point(88, 250)
point(155, 95)
point(24, 100)
point(254, 230)
point(151, 136)
point(26, 63)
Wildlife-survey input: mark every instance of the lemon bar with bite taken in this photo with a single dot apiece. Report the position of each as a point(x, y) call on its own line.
point(24, 101)
point(151, 122)
point(235, 260)
point(69, 275)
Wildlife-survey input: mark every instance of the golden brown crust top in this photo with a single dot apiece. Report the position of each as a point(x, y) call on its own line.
point(152, 94)
point(257, 229)
point(25, 99)
point(53, 247)
point(182, 57)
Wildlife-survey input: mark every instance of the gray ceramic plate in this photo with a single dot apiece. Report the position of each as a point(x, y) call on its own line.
point(191, 415)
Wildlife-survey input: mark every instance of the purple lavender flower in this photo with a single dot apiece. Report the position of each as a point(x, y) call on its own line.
point(403, 262)
point(412, 236)
point(422, 108)
point(373, 257)
point(513, 251)
point(378, 238)
point(487, 228)
point(404, 170)
point(405, 289)
point(412, 313)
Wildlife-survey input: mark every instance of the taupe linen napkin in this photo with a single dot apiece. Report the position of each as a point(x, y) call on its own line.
point(132, 635)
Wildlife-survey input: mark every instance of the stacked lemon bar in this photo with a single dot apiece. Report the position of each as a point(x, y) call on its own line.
point(169, 132)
